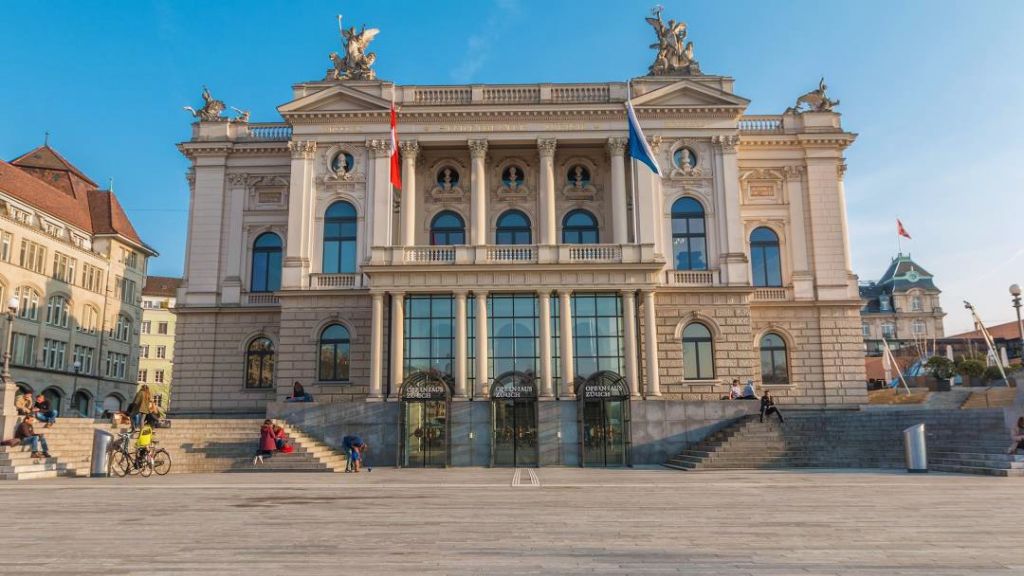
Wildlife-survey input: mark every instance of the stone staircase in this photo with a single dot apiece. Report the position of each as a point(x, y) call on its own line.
point(967, 442)
point(991, 397)
point(195, 445)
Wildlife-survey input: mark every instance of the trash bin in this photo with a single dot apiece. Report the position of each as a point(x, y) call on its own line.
point(100, 453)
point(914, 449)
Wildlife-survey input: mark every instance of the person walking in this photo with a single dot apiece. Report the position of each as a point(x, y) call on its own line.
point(139, 407)
point(44, 412)
point(268, 442)
point(768, 407)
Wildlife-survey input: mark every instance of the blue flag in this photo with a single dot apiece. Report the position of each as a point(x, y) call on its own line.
point(639, 149)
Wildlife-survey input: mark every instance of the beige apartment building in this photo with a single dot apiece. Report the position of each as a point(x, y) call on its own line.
point(530, 290)
point(156, 339)
point(76, 266)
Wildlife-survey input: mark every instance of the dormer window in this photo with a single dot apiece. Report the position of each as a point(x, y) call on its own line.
point(883, 303)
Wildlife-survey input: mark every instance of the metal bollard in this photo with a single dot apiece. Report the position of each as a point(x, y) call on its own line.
point(100, 453)
point(914, 449)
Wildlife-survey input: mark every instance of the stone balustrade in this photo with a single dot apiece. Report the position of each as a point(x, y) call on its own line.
point(771, 295)
point(261, 299)
point(691, 277)
point(516, 254)
point(761, 124)
point(276, 132)
point(335, 281)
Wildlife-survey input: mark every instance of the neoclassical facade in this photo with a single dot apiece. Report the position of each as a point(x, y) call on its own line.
point(525, 258)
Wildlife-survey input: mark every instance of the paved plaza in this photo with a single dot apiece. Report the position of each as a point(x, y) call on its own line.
point(525, 521)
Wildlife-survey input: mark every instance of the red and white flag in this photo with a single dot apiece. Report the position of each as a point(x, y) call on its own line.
point(901, 230)
point(396, 169)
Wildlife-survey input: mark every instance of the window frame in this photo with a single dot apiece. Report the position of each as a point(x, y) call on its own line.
point(696, 342)
point(336, 344)
point(514, 233)
point(341, 239)
point(687, 218)
point(773, 351)
point(759, 252)
point(580, 230)
point(266, 255)
point(447, 231)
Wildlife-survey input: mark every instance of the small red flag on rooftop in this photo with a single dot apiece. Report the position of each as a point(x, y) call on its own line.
point(901, 230)
point(396, 169)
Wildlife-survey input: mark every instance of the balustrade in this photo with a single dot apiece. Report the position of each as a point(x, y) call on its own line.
point(691, 277)
point(268, 132)
point(261, 299)
point(595, 253)
point(771, 294)
point(443, 95)
point(511, 254)
point(760, 124)
point(430, 254)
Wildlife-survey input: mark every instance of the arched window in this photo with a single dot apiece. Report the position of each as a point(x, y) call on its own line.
point(266, 263)
point(55, 396)
point(28, 303)
point(447, 229)
point(123, 329)
point(334, 353)
point(80, 403)
point(90, 317)
point(698, 352)
point(580, 227)
point(689, 237)
point(340, 239)
point(765, 261)
point(259, 363)
point(513, 228)
point(113, 403)
point(774, 363)
point(57, 311)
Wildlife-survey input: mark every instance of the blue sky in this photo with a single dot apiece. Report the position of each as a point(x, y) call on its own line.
point(932, 87)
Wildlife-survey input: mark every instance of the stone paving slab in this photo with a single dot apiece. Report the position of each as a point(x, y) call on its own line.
point(485, 521)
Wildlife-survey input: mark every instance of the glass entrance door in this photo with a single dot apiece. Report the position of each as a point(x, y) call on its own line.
point(515, 432)
point(426, 433)
point(604, 438)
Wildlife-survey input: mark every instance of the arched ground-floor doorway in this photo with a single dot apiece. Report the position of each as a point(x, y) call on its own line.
point(604, 420)
point(81, 404)
point(514, 420)
point(55, 396)
point(426, 434)
point(113, 403)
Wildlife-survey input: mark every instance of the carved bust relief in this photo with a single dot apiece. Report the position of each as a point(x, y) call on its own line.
point(512, 179)
point(447, 181)
point(579, 178)
point(341, 163)
point(689, 160)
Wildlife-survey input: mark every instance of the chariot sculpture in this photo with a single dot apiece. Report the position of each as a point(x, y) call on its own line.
point(357, 62)
point(675, 54)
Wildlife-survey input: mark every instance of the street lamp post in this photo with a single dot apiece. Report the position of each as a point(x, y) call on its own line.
point(1016, 292)
point(8, 389)
point(74, 386)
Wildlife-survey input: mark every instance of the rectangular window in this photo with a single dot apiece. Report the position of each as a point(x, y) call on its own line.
point(146, 325)
point(158, 376)
point(865, 330)
point(92, 278)
point(116, 365)
point(124, 290)
point(144, 351)
point(64, 267)
point(5, 246)
point(161, 328)
point(24, 349)
point(513, 334)
point(33, 256)
point(597, 335)
point(889, 330)
point(53, 354)
point(142, 375)
point(430, 334)
point(83, 357)
point(161, 351)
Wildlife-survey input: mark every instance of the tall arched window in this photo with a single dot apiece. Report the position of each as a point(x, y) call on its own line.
point(447, 229)
point(513, 228)
point(259, 363)
point(774, 363)
point(580, 227)
point(340, 239)
point(89, 320)
point(698, 352)
point(266, 263)
point(28, 303)
point(765, 262)
point(57, 311)
point(334, 353)
point(689, 237)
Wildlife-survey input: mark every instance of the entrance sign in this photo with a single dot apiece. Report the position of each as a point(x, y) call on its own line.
point(426, 386)
point(603, 401)
point(426, 435)
point(604, 384)
point(512, 385)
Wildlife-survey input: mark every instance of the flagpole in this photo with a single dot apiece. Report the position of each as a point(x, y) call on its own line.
point(635, 183)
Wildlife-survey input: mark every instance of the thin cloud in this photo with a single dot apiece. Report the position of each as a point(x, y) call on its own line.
point(478, 46)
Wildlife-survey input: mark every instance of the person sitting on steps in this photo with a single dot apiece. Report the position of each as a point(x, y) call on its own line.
point(734, 391)
point(299, 394)
point(26, 434)
point(768, 407)
point(1018, 437)
point(44, 412)
point(749, 393)
point(24, 404)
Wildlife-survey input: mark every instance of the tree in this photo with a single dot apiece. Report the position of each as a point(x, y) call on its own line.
point(993, 373)
point(940, 367)
point(970, 368)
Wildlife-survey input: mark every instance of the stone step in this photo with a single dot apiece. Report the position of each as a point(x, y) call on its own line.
point(28, 475)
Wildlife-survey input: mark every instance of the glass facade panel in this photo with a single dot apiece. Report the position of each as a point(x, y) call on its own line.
point(340, 239)
point(513, 334)
point(597, 334)
point(429, 334)
point(266, 263)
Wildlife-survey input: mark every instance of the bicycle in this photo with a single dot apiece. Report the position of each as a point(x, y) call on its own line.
point(124, 461)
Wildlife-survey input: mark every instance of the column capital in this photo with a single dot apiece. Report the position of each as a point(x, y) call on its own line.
point(793, 172)
point(378, 147)
point(460, 292)
point(546, 147)
point(302, 149)
point(564, 291)
point(480, 293)
point(377, 296)
point(616, 146)
point(397, 293)
point(409, 148)
point(630, 292)
point(477, 148)
point(726, 143)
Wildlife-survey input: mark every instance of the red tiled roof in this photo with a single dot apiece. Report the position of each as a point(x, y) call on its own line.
point(44, 179)
point(161, 286)
point(1008, 330)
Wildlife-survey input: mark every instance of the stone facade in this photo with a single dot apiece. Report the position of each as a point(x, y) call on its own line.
point(902, 307)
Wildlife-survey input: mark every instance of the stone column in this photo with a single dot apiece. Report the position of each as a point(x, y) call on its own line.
point(548, 229)
point(482, 388)
point(232, 285)
point(629, 335)
point(544, 304)
point(478, 153)
point(651, 342)
point(300, 217)
point(802, 279)
point(376, 345)
point(397, 342)
point(460, 345)
point(620, 223)
point(734, 256)
point(379, 215)
point(565, 340)
point(410, 149)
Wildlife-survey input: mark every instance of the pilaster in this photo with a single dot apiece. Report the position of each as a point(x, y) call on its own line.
point(460, 344)
point(380, 217)
point(544, 306)
point(232, 283)
point(482, 380)
point(376, 345)
point(734, 258)
point(630, 343)
point(397, 341)
point(651, 345)
point(803, 279)
point(207, 213)
point(295, 267)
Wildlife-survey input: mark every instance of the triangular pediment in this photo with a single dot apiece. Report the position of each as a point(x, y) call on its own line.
point(688, 93)
point(336, 98)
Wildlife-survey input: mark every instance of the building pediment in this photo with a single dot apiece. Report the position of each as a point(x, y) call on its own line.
point(335, 98)
point(689, 94)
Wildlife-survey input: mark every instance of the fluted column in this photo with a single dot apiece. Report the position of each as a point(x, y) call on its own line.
point(565, 342)
point(397, 342)
point(460, 345)
point(544, 305)
point(629, 335)
point(482, 388)
point(548, 229)
point(410, 149)
point(376, 344)
point(620, 221)
point(651, 344)
point(478, 153)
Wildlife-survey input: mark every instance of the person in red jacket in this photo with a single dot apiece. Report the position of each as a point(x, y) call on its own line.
point(268, 442)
